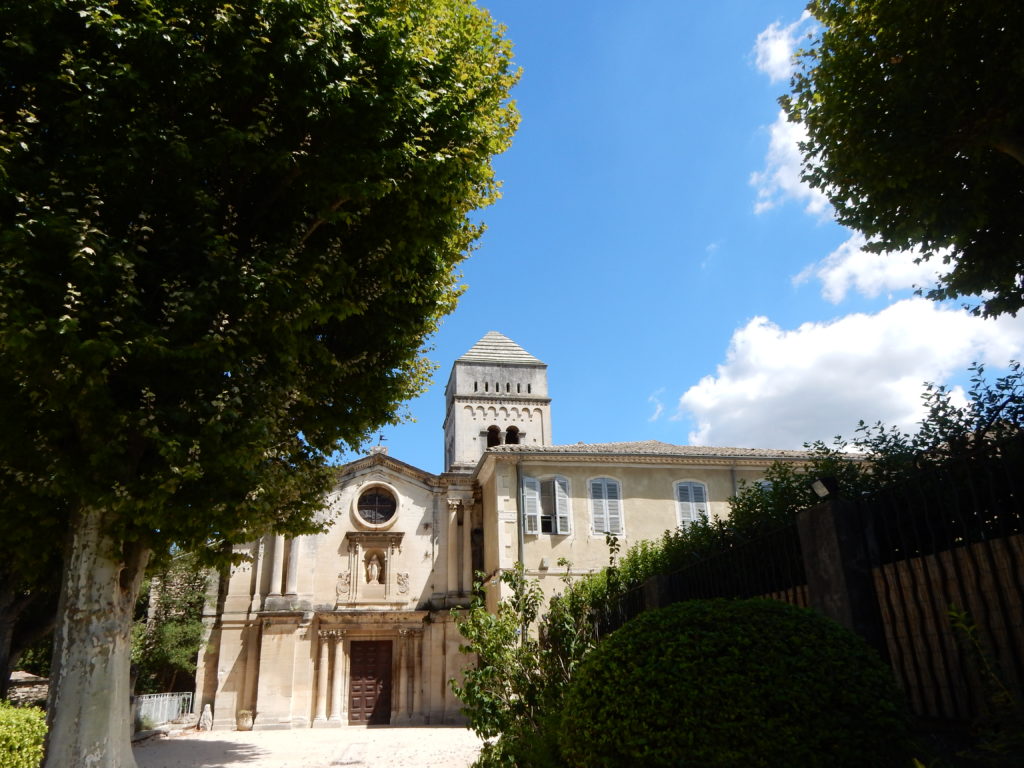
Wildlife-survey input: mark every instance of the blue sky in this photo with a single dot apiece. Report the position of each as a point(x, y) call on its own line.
point(655, 247)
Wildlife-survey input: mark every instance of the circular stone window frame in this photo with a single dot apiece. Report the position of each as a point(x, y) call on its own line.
point(365, 524)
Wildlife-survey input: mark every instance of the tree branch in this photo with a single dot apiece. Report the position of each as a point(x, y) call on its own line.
point(316, 224)
point(1011, 148)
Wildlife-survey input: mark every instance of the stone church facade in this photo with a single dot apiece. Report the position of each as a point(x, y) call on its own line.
point(353, 626)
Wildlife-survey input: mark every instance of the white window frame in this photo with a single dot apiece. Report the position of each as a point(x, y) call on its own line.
point(688, 510)
point(606, 506)
point(533, 508)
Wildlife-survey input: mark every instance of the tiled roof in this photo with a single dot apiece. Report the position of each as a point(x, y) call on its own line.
point(652, 448)
point(495, 347)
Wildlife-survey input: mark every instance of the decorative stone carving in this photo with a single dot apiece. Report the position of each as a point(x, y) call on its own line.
point(344, 584)
point(403, 582)
point(206, 719)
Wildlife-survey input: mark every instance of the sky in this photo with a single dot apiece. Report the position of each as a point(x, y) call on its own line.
point(655, 246)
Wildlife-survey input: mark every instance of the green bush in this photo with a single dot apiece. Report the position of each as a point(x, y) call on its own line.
point(21, 736)
point(733, 683)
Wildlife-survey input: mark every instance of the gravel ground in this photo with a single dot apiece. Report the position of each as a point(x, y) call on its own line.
point(354, 747)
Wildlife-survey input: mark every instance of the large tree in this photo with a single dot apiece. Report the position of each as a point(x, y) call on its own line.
point(226, 230)
point(915, 121)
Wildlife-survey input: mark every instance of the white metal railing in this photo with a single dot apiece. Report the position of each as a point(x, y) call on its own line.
point(159, 708)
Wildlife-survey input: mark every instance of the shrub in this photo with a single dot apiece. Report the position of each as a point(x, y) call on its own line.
point(725, 683)
point(21, 736)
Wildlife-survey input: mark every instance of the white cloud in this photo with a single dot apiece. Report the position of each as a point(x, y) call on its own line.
point(659, 407)
point(774, 48)
point(709, 253)
point(780, 388)
point(780, 180)
point(870, 274)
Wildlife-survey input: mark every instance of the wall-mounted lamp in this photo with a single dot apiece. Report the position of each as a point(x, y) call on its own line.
point(825, 487)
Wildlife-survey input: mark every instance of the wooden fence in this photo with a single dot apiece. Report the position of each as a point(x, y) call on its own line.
point(931, 572)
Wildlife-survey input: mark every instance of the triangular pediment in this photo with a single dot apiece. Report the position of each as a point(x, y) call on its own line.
point(381, 460)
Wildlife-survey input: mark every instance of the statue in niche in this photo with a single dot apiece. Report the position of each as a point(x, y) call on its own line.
point(344, 584)
point(373, 570)
point(403, 582)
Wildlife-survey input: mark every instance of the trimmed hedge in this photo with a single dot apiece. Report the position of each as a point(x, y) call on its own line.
point(22, 731)
point(733, 682)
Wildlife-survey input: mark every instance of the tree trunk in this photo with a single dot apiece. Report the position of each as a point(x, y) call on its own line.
point(89, 712)
point(12, 604)
point(35, 622)
point(7, 619)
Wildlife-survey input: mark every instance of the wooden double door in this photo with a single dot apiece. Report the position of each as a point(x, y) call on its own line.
point(369, 692)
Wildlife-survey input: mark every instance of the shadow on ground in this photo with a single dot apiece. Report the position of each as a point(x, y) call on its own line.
point(201, 754)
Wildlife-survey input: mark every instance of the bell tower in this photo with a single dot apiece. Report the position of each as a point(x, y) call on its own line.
point(497, 394)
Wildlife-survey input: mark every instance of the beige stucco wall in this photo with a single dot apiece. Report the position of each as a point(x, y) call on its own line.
point(649, 508)
point(267, 647)
point(281, 625)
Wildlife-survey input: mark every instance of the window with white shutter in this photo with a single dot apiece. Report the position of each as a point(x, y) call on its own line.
point(563, 512)
point(548, 508)
point(692, 502)
point(531, 505)
point(606, 505)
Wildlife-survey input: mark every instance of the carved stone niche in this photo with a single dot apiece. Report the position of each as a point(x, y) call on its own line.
point(372, 561)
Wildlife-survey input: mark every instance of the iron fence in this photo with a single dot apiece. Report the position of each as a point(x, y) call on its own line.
point(946, 553)
point(770, 566)
point(160, 708)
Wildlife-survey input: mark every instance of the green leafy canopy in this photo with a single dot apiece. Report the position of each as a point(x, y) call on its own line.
point(226, 231)
point(915, 127)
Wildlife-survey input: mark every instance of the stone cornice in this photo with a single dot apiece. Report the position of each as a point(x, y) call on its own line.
point(504, 398)
point(640, 460)
point(364, 619)
point(348, 472)
point(387, 462)
point(394, 538)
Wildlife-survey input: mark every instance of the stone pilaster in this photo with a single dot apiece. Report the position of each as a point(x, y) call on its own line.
point(323, 667)
point(338, 675)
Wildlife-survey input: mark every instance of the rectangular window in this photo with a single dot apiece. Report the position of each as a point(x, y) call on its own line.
point(546, 504)
point(692, 501)
point(606, 506)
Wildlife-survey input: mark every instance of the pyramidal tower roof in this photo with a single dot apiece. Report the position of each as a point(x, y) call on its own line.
point(495, 347)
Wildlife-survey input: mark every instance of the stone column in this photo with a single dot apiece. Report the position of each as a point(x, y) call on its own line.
point(338, 676)
point(292, 578)
point(417, 675)
point(258, 566)
point(342, 678)
point(252, 635)
point(355, 568)
point(402, 692)
point(321, 679)
point(452, 541)
point(467, 552)
point(277, 566)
